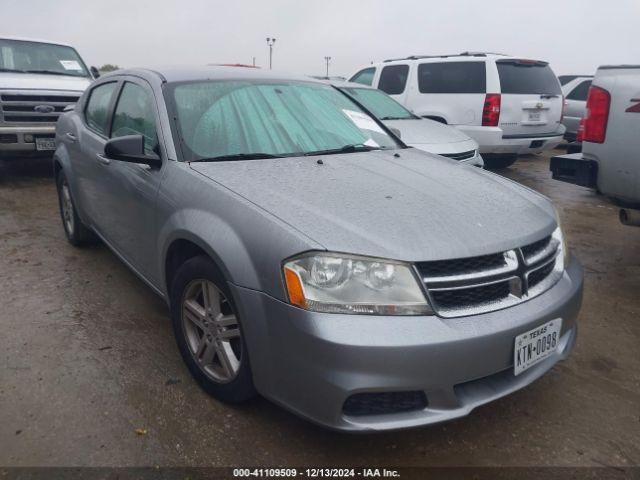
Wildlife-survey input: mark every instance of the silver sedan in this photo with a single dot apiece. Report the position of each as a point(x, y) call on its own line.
point(308, 255)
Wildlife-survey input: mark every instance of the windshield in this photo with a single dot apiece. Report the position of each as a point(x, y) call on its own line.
point(380, 104)
point(37, 57)
point(261, 119)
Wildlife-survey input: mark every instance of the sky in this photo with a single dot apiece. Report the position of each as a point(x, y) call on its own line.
point(575, 36)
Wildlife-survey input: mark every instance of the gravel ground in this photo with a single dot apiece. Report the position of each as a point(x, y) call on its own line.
point(87, 356)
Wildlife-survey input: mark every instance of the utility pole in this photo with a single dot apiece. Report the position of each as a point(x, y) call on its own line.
point(327, 59)
point(270, 42)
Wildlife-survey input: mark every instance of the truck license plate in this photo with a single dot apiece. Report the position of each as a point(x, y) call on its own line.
point(535, 345)
point(45, 144)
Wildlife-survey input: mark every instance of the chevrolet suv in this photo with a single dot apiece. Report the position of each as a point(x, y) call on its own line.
point(509, 105)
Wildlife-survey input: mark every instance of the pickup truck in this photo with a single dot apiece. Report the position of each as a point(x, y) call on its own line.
point(38, 80)
point(610, 141)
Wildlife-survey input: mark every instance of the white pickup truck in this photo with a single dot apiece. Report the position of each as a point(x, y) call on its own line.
point(38, 80)
point(610, 133)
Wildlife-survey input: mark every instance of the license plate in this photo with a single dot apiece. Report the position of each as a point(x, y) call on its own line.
point(45, 144)
point(534, 116)
point(535, 345)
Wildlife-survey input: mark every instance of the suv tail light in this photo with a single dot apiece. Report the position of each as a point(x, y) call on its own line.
point(580, 135)
point(594, 125)
point(491, 110)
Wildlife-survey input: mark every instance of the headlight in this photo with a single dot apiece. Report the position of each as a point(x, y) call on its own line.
point(336, 283)
point(559, 236)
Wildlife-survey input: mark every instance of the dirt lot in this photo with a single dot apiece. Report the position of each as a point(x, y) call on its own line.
point(87, 356)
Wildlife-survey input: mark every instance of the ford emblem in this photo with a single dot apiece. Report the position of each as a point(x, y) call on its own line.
point(44, 108)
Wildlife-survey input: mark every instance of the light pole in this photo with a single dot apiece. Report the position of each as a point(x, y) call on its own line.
point(270, 42)
point(327, 59)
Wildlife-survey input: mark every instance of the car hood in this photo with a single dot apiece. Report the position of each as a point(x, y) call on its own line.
point(414, 207)
point(423, 131)
point(36, 81)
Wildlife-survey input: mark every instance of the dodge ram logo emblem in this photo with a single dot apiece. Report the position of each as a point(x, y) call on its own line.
point(44, 108)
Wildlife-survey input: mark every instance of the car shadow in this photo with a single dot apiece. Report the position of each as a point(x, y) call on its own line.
point(17, 170)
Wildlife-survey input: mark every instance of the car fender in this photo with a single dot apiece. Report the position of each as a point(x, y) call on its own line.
point(215, 237)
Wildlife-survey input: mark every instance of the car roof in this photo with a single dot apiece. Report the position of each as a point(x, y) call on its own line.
point(37, 40)
point(172, 74)
point(457, 57)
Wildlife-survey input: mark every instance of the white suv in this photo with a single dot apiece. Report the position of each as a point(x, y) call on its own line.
point(509, 105)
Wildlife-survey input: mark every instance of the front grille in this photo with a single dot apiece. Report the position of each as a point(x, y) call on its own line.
point(461, 265)
point(8, 138)
point(23, 108)
point(469, 297)
point(467, 286)
point(460, 156)
point(384, 403)
point(540, 274)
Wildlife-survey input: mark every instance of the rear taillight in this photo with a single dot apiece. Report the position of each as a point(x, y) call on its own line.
point(491, 110)
point(580, 134)
point(594, 126)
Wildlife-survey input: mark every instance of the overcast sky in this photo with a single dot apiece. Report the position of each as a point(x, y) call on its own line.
point(575, 36)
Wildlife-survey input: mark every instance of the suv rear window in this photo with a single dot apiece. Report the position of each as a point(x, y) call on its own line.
point(519, 77)
point(580, 92)
point(393, 79)
point(452, 77)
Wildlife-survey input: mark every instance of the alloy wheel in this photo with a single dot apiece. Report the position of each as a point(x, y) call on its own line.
point(211, 331)
point(67, 208)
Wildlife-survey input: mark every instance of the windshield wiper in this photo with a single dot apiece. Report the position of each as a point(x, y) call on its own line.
point(346, 149)
point(397, 118)
point(51, 72)
point(237, 156)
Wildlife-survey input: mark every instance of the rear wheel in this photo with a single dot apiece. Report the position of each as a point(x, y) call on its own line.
point(497, 162)
point(208, 331)
point(77, 233)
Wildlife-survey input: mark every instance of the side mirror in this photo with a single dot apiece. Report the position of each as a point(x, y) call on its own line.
point(130, 148)
point(94, 72)
point(395, 131)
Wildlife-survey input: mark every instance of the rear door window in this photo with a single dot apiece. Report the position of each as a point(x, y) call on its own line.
point(580, 92)
point(97, 110)
point(452, 77)
point(393, 79)
point(523, 77)
point(365, 77)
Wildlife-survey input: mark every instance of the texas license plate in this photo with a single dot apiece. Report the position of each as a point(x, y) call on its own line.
point(535, 345)
point(45, 144)
point(535, 116)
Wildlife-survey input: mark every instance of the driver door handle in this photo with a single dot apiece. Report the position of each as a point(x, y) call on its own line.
point(102, 159)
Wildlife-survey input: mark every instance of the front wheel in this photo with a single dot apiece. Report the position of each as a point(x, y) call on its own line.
point(209, 332)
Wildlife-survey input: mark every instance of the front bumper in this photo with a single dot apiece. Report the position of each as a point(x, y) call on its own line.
point(12, 138)
point(311, 363)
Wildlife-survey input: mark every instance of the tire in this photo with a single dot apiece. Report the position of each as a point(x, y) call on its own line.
point(499, 162)
point(212, 345)
point(77, 232)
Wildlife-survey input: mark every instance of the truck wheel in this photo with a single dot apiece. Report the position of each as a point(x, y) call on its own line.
point(208, 331)
point(497, 162)
point(77, 233)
